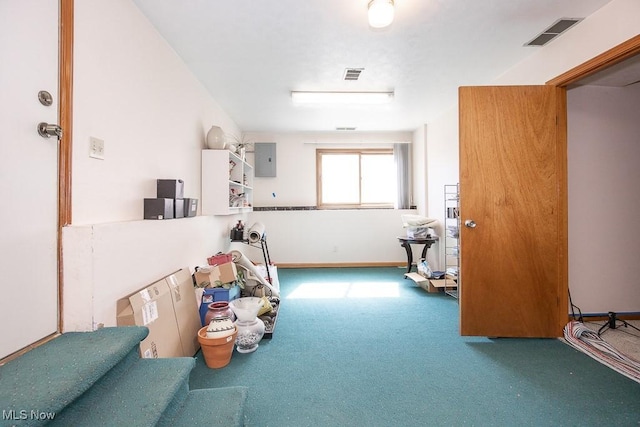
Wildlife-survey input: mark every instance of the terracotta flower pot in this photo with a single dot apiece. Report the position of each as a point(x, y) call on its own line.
point(216, 351)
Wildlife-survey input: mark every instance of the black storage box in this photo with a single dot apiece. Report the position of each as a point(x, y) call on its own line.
point(178, 208)
point(161, 208)
point(190, 207)
point(170, 189)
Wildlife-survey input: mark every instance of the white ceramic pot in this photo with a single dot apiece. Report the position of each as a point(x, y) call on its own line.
point(220, 327)
point(215, 138)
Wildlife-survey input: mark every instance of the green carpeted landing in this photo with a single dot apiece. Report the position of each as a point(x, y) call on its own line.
point(54, 375)
point(381, 351)
point(98, 379)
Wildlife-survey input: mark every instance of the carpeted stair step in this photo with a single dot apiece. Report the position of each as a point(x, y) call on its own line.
point(209, 407)
point(48, 378)
point(137, 397)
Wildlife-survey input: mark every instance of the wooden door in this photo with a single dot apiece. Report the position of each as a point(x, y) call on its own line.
point(28, 173)
point(513, 186)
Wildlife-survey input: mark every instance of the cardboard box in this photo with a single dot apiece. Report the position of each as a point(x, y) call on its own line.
point(178, 208)
point(219, 259)
point(225, 273)
point(437, 285)
point(158, 208)
point(152, 307)
point(185, 307)
point(170, 188)
point(214, 295)
point(190, 207)
point(432, 285)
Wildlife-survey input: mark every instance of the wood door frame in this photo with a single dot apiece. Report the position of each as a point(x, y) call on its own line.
point(598, 63)
point(65, 111)
point(606, 59)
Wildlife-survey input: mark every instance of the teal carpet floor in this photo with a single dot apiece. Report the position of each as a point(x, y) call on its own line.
point(365, 347)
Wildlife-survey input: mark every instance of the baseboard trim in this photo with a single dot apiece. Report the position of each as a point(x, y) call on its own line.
point(341, 264)
point(28, 348)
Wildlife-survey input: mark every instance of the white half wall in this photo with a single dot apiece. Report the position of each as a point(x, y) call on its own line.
point(105, 262)
point(335, 236)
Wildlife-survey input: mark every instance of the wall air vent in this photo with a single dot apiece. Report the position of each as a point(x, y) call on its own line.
point(557, 28)
point(345, 128)
point(352, 74)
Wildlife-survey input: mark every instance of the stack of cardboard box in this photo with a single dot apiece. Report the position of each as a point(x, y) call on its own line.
point(170, 202)
point(218, 283)
point(168, 308)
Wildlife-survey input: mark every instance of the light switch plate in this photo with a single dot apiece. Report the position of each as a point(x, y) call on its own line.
point(96, 148)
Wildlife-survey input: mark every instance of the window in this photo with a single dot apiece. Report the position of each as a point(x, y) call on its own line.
point(356, 178)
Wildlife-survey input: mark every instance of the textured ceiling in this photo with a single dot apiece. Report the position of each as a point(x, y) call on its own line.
point(251, 54)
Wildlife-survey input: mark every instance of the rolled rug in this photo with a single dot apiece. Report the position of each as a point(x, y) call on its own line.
point(240, 259)
point(256, 232)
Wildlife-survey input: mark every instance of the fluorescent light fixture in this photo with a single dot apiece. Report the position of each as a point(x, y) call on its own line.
point(380, 13)
point(341, 97)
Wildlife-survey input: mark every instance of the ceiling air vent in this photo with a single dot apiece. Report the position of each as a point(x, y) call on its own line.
point(352, 74)
point(557, 28)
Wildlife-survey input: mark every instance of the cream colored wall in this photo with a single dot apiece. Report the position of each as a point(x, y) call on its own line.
point(295, 181)
point(613, 24)
point(604, 199)
point(132, 91)
point(334, 236)
point(442, 167)
point(419, 169)
point(322, 237)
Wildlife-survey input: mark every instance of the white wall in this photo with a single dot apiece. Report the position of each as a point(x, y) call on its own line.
point(327, 236)
point(419, 169)
point(295, 181)
point(335, 236)
point(604, 199)
point(132, 91)
point(442, 167)
point(613, 24)
point(135, 93)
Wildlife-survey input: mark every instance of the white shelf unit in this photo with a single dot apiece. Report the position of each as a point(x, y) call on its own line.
point(452, 236)
point(227, 183)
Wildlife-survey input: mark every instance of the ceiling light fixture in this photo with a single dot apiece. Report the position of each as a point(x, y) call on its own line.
point(380, 13)
point(341, 97)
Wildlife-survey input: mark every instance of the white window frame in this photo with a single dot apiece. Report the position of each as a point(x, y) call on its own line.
point(364, 151)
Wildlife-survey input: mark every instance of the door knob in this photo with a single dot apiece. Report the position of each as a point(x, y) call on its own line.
point(46, 130)
point(470, 223)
